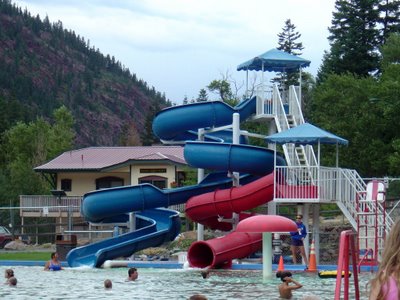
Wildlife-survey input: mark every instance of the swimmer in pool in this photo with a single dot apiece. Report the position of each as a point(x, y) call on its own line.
point(285, 288)
point(132, 274)
point(53, 264)
point(8, 274)
point(12, 281)
point(107, 284)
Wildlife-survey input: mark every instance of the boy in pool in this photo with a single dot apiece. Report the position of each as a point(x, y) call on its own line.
point(285, 290)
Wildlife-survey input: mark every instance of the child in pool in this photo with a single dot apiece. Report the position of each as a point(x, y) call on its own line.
point(285, 289)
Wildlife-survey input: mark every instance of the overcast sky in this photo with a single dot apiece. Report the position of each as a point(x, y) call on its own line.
point(180, 46)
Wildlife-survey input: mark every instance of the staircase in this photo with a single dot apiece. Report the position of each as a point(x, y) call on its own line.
point(349, 190)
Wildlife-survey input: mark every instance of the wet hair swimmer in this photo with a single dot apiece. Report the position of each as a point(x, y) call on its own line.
point(283, 274)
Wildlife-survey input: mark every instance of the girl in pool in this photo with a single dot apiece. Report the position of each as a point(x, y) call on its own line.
point(385, 285)
point(53, 264)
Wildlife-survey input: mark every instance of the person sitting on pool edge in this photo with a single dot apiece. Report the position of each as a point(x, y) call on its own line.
point(285, 290)
point(132, 274)
point(53, 264)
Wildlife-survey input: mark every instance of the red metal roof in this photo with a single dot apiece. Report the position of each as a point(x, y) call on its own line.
point(97, 158)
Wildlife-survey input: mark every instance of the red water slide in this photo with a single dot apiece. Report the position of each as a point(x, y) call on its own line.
point(208, 207)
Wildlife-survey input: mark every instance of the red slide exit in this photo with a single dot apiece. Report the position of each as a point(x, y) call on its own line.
point(206, 209)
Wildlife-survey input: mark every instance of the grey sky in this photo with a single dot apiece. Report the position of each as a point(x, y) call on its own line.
point(180, 46)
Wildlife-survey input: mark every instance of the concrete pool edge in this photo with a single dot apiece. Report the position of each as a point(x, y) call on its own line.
point(178, 265)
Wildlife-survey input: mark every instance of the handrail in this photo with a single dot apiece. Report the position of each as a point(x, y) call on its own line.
point(364, 258)
point(346, 246)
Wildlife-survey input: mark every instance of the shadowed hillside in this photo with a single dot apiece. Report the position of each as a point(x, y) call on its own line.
point(44, 66)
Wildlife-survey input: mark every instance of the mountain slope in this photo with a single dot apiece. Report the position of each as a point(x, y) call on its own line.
point(44, 66)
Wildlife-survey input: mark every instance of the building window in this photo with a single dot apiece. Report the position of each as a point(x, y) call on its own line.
point(160, 170)
point(158, 181)
point(108, 182)
point(66, 185)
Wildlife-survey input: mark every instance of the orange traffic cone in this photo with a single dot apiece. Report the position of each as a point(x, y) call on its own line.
point(281, 267)
point(312, 267)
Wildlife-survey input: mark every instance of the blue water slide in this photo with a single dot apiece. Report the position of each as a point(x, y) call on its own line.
point(153, 228)
point(232, 158)
point(180, 123)
point(174, 124)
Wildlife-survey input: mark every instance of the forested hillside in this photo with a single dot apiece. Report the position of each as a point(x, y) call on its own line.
point(44, 66)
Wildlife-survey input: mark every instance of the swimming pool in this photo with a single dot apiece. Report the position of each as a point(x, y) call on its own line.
point(85, 283)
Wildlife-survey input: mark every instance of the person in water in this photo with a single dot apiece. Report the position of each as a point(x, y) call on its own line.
point(8, 274)
point(53, 264)
point(385, 285)
point(12, 281)
point(132, 274)
point(285, 288)
point(205, 274)
point(107, 284)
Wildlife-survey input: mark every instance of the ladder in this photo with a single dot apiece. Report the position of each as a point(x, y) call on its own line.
point(371, 223)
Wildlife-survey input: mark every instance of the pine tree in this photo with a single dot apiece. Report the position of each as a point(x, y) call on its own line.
point(353, 38)
point(203, 97)
point(147, 137)
point(389, 18)
point(287, 39)
point(287, 42)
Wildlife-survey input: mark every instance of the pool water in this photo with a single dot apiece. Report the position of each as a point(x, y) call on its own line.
point(85, 283)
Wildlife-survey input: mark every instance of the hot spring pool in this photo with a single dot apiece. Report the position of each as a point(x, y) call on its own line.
point(85, 283)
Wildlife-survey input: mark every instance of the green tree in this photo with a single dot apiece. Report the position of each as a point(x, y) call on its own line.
point(288, 42)
point(342, 104)
point(223, 88)
point(203, 97)
point(365, 111)
point(389, 98)
point(62, 131)
point(147, 137)
point(353, 39)
point(129, 135)
point(28, 145)
point(389, 18)
point(287, 39)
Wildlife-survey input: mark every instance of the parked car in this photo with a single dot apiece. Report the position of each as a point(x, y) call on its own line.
point(5, 236)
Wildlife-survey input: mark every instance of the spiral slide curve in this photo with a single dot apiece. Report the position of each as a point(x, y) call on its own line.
point(155, 225)
point(182, 122)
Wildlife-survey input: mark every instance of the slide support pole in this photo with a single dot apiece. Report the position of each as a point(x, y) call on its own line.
point(267, 255)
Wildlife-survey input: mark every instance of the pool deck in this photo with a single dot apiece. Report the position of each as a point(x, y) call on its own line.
point(178, 265)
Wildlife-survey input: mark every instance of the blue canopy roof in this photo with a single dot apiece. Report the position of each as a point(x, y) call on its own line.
point(306, 134)
point(274, 60)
